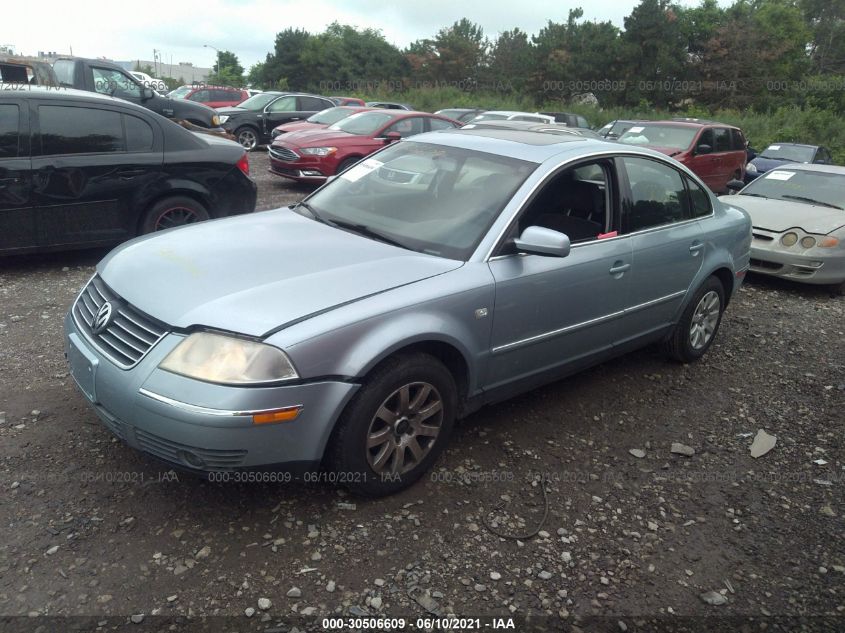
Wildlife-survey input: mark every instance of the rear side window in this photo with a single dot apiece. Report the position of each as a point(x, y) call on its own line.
point(224, 95)
point(9, 130)
point(74, 130)
point(440, 124)
point(657, 194)
point(723, 139)
point(201, 96)
point(309, 104)
point(64, 71)
point(738, 140)
point(699, 201)
point(582, 122)
point(139, 134)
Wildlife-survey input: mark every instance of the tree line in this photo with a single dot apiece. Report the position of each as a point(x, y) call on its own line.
point(758, 54)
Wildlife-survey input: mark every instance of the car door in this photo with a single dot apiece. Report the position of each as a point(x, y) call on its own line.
point(726, 162)
point(557, 313)
point(112, 82)
point(90, 167)
point(18, 227)
point(667, 244)
point(703, 160)
point(279, 111)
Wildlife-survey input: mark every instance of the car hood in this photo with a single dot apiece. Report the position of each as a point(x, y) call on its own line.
point(300, 126)
point(306, 138)
point(234, 110)
point(257, 273)
point(765, 164)
point(780, 215)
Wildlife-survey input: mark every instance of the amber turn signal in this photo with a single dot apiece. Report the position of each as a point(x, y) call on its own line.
point(285, 414)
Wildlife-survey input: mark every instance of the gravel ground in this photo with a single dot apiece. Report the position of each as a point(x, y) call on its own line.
point(636, 535)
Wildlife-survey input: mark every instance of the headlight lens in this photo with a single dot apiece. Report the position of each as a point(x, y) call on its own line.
point(789, 239)
point(319, 151)
point(222, 119)
point(751, 168)
point(808, 242)
point(228, 361)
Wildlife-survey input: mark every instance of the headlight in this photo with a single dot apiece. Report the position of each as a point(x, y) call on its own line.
point(751, 168)
point(215, 120)
point(221, 119)
point(808, 242)
point(789, 239)
point(319, 151)
point(828, 241)
point(228, 361)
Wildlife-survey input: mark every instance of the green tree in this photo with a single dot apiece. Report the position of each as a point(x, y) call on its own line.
point(510, 61)
point(284, 63)
point(227, 70)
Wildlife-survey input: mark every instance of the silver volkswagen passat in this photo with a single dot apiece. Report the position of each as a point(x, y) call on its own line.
point(345, 335)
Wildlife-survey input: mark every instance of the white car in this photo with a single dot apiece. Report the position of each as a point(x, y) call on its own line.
point(511, 115)
point(150, 82)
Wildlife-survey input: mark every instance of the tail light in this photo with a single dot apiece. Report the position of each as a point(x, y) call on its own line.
point(243, 164)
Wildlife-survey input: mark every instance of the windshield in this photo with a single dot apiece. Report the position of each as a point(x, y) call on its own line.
point(669, 136)
point(258, 102)
point(490, 116)
point(793, 153)
point(427, 198)
point(363, 123)
point(330, 115)
point(180, 93)
point(799, 186)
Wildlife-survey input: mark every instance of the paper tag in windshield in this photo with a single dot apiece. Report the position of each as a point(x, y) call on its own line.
point(637, 129)
point(774, 147)
point(361, 169)
point(780, 175)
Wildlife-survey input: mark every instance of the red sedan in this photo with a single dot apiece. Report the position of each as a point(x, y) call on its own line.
point(318, 121)
point(314, 155)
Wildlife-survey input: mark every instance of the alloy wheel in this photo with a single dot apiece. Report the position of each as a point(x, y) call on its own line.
point(705, 318)
point(248, 139)
point(176, 216)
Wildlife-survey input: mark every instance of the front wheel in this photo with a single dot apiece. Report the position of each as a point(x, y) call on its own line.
point(695, 331)
point(395, 427)
point(247, 137)
point(838, 290)
point(173, 212)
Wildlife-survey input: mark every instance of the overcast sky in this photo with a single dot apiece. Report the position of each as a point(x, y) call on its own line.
point(178, 30)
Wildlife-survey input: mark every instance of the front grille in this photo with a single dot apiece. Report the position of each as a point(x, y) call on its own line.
point(128, 336)
point(283, 153)
point(762, 264)
point(762, 236)
point(176, 453)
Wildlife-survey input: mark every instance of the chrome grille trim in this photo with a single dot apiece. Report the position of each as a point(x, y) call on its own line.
point(283, 153)
point(130, 335)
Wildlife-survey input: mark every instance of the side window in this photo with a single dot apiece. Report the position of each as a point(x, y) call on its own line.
point(699, 201)
point(582, 122)
point(440, 124)
point(657, 192)
point(706, 138)
point(738, 140)
point(823, 157)
point(283, 104)
point(311, 104)
point(139, 134)
point(201, 96)
point(64, 71)
point(109, 81)
point(575, 202)
point(224, 95)
point(407, 127)
point(9, 130)
point(72, 130)
point(325, 103)
point(723, 139)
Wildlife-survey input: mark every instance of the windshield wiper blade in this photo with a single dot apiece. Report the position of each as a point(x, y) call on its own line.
point(811, 201)
point(756, 195)
point(363, 229)
point(314, 213)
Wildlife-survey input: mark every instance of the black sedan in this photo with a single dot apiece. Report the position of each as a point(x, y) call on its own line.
point(80, 169)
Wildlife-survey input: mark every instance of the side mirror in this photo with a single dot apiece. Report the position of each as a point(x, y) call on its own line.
point(703, 149)
point(735, 185)
point(146, 93)
point(539, 240)
point(392, 137)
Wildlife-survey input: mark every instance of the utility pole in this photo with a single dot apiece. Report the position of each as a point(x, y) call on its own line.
point(218, 60)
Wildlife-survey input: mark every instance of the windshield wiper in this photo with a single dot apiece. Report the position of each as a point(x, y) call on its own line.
point(363, 229)
point(756, 195)
point(314, 213)
point(811, 201)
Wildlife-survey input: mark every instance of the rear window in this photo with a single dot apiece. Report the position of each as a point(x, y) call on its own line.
point(9, 130)
point(74, 130)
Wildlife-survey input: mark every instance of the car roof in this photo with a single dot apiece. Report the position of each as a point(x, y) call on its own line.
point(693, 123)
point(794, 145)
point(47, 92)
point(828, 169)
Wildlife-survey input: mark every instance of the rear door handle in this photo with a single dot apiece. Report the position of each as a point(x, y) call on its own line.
point(618, 268)
point(696, 248)
point(127, 174)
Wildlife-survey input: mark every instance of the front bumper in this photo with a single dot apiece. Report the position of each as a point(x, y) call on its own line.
point(298, 167)
point(811, 266)
point(199, 426)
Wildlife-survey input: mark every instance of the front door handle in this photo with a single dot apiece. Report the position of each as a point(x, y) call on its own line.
point(618, 268)
point(128, 174)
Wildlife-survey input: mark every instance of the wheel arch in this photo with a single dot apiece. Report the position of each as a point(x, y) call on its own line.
point(194, 193)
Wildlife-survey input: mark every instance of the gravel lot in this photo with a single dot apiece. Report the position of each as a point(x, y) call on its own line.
point(92, 528)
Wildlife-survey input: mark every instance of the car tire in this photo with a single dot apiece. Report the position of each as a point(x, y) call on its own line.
point(248, 137)
point(838, 290)
point(172, 212)
point(697, 328)
point(372, 448)
point(346, 164)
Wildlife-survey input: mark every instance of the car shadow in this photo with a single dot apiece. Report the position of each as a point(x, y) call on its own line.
point(51, 260)
point(807, 291)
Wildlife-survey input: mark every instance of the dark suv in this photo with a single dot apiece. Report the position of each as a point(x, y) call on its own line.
point(82, 169)
point(253, 120)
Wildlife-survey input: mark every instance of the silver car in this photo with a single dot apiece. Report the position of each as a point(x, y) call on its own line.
point(799, 223)
point(346, 334)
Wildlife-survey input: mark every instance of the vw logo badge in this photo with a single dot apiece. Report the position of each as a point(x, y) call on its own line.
point(102, 318)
